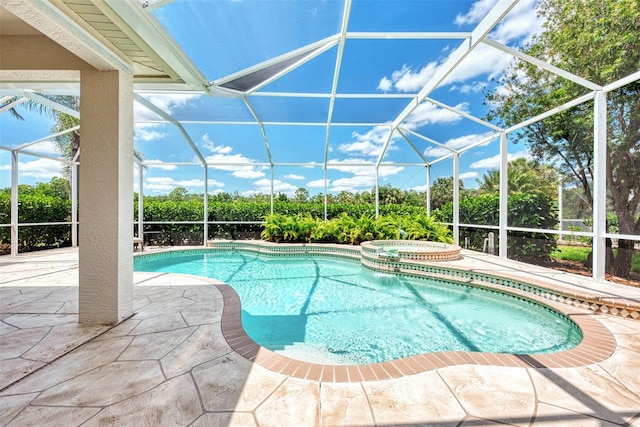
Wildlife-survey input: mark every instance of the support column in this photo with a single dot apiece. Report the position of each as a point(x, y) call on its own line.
point(560, 210)
point(206, 205)
point(377, 192)
point(326, 185)
point(14, 203)
point(106, 202)
point(503, 218)
point(141, 203)
point(456, 198)
point(271, 190)
point(599, 184)
point(74, 203)
point(428, 195)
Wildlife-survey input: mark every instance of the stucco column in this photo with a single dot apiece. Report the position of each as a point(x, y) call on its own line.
point(106, 197)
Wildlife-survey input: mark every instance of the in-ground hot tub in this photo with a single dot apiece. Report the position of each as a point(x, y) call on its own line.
point(415, 250)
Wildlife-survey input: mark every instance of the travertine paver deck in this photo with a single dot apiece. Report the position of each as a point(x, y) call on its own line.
point(170, 364)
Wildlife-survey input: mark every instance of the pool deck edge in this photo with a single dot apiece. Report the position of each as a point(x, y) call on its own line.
point(597, 345)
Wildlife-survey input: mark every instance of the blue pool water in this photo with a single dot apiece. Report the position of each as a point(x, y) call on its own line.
point(329, 310)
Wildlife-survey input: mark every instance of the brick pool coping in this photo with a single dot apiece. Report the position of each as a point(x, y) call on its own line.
point(597, 345)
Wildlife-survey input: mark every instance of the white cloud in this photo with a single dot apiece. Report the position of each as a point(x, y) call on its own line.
point(478, 11)
point(522, 23)
point(318, 183)
point(45, 147)
point(367, 169)
point(148, 132)
point(212, 147)
point(484, 60)
point(166, 184)
point(214, 183)
point(39, 168)
point(385, 84)
point(468, 175)
point(367, 144)
point(352, 184)
point(263, 186)
point(456, 144)
point(167, 102)
point(428, 114)
point(247, 172)
point(222, 158)
point(294, 176)
point(518, 26)
point(363, 177)
point(160, 165)
point(473, 87)
point(371, 143)
point(408, 80)
point(494, 161)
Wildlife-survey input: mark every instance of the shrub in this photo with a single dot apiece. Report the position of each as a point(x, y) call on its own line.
point(36, 208)
point(353, 230)
point(524, 210)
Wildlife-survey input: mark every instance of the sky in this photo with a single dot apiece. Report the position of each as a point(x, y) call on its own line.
point(225, 37)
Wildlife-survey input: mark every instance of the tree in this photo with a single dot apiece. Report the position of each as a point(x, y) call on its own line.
point(442, 192)
point(523, 176)
point(346, 197)
point(596, 40)
point(57, 187)
point(415, 198)
point(388, 195)
point(177, 194)
point(68, 144)
point(302, 195)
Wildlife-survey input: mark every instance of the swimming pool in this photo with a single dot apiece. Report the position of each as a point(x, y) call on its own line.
point(334, 311)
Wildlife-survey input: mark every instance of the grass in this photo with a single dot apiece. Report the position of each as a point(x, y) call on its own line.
point(580, 254)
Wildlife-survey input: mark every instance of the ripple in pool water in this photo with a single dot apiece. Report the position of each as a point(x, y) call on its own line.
point(335, 311)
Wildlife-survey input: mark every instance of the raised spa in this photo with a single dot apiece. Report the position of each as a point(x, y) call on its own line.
point(415, 250)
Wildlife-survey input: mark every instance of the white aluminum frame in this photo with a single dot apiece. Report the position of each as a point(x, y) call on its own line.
point(163, 48)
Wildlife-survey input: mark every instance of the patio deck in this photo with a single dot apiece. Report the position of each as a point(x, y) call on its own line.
point(170, 364)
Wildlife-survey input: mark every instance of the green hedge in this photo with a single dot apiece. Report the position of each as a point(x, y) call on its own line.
point(523, 210)
point(38, 208)
point(179, 234)
point(33, 209)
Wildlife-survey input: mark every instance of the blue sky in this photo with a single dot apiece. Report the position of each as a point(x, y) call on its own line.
point(225, 37)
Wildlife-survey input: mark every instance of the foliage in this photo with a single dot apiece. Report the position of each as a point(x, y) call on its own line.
point(574, 203)
point(42, 203)
point(442, 192)
point(580, 254)
point(524, 211)
point(302, 195)
point(571, 253)
point(525, 176)
point(353, 230)
point(596, 40)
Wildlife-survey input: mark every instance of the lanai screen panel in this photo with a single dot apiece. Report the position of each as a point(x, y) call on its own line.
point(223, 37)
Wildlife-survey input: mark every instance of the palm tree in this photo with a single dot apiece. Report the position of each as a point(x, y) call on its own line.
point(523, 176)
point(68, 144)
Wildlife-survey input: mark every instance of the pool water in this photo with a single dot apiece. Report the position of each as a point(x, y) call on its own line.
point(328, 310)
